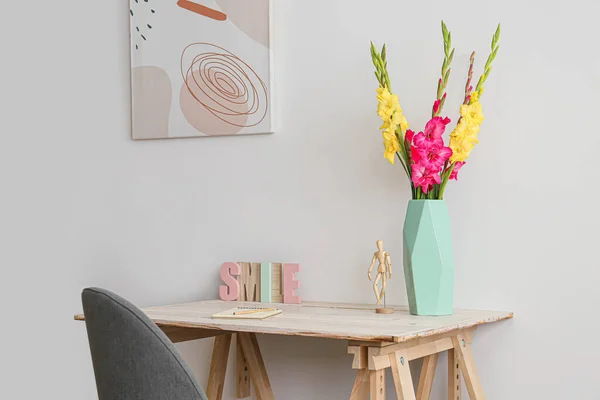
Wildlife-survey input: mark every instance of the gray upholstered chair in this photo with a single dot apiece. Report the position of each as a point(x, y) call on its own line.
point(133, 359)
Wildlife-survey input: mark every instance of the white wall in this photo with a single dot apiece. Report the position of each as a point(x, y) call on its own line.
point(81, 204)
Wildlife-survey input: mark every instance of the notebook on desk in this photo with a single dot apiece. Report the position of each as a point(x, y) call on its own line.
point(248, 313)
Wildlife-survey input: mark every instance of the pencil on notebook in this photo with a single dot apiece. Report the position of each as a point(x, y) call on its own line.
point(258, 310)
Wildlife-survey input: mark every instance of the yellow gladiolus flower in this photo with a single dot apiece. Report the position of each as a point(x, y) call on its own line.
point(465, 136)
point(389, 134)
point(461, 147)
point(473, 112)
point(403, 122)
point(388, 103)
point(391, 144)
point(388, 108)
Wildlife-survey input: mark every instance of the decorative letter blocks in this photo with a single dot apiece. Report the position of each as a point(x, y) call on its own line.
point(249, 281)
point(276, 283)
point(264, 282)
point(231, 290)
point(290, 284)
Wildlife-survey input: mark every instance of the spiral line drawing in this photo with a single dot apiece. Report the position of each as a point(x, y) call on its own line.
point(224, 84)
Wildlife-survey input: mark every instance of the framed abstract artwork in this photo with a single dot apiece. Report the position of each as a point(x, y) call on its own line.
point(200, 68)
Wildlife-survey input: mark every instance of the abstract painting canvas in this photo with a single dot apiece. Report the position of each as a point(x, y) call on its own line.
point(200, 68)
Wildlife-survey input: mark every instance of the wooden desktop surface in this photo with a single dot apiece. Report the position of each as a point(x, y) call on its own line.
point(325, 320)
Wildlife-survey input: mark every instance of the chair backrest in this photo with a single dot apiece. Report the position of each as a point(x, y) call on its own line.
point(132, 357)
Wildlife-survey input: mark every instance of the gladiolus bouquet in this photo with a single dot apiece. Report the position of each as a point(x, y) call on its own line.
point(427, 161)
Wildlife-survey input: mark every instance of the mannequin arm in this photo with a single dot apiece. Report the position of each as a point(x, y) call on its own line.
point(371, 267)
point(388, 261)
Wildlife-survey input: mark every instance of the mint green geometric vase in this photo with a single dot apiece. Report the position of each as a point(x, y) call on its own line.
point(428, 258)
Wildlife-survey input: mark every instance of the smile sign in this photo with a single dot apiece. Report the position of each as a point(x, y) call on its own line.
point(265, 282)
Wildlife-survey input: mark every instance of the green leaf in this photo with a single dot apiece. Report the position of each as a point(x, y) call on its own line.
point(488, 63)
point(444, 31)
point(488, 72)
point(497, 34)
point(494, 53)
point(451, 57)
point(480, 82)
point(378, 77)
point(496, 38)
point(446, 77)
point(374, 59)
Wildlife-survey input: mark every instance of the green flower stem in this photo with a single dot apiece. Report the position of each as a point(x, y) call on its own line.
point(445, 181)
point(404, 150)
point(443, 82)
point(402, 162)
point(380, 62)
point(469, 79)
point(488, 64)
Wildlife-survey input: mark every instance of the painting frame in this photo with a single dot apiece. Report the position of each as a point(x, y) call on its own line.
point(224, 84)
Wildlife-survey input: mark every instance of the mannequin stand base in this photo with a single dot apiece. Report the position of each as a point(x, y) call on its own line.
point(383, 310)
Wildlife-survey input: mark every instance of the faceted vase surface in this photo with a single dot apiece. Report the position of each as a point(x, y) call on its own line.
point(428, 258)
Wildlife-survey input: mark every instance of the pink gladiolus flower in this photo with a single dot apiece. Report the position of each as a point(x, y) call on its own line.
point(432, 155)
point(433, 132)
point(436, 105)
point(409, 136)
point(425, 177)
point(457, 166)
point(414, 154)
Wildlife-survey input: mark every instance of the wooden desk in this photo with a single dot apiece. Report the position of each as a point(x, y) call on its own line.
point(376, 341)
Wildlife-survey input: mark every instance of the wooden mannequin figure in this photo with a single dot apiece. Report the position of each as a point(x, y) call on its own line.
point(384, 268)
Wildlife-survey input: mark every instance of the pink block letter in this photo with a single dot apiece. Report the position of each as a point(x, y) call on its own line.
point(289, 284)
point(231, 290)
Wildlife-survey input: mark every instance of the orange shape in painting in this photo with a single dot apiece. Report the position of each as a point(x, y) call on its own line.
point(202, 10)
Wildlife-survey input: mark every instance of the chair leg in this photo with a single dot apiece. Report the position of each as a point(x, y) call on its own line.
point(256, 366)
point(467, 365)
point(218, 367)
